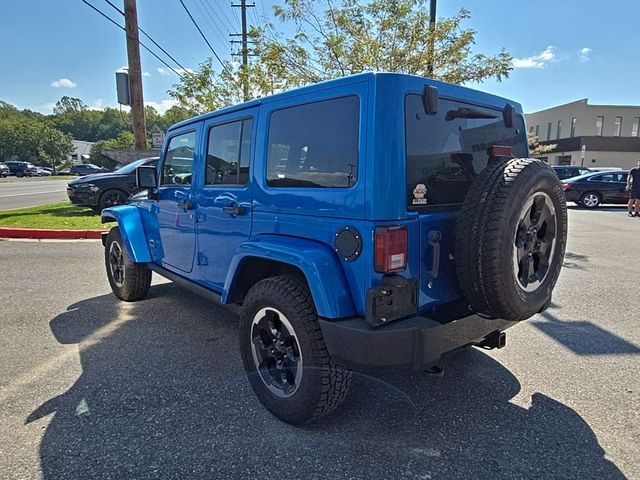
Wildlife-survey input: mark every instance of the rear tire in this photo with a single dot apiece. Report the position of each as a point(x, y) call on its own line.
point(19, 174)
point(590, 200)
point(284, 353)
point(510, 239)
point(129, 281)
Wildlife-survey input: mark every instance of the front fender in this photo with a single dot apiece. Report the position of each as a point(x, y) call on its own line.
point(131, 229)
point(317, 262)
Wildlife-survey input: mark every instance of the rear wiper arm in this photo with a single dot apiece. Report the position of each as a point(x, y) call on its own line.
point(467, 113)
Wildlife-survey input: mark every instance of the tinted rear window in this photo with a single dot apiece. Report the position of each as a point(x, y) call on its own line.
point(446, 152)
point(314, 145)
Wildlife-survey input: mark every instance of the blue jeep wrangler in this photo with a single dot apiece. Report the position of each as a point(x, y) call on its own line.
point(378, 220)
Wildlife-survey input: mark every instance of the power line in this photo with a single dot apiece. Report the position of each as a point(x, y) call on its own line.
point(153, 41)
point(141, 44)
point(228, 18)
point(210, 20)
point(204, 38)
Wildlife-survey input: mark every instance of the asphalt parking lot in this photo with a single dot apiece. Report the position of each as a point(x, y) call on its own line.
point(91, 387)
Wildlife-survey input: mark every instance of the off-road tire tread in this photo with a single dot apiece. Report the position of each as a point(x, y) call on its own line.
point(478, 262)
point(335, 378)
point(137, 280)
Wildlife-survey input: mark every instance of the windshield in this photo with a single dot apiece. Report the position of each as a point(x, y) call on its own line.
point(446, 151)
point(130, 167)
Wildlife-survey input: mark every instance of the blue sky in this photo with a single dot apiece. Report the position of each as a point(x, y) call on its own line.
point(564, 49)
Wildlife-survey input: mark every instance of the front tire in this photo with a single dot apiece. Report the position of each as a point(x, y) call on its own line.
point(284, 354)
point(112, 198)
point(129, 281)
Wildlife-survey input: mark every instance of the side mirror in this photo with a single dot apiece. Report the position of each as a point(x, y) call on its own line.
point(146, 176)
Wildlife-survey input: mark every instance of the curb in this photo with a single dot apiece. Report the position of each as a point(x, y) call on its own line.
point(49, 234)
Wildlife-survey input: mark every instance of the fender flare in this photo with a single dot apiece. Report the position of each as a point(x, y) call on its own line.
point(131, 229)
point(317, 262)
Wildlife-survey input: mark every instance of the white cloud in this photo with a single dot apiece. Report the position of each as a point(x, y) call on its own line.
point(163, 105)
point(536, 61)
point(585, 54)
point(167, 71)
point(64, 83)
point(146, 74)
point(98, 104)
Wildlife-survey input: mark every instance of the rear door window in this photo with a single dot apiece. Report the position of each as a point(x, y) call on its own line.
point(228, 153)
point(446, 152)
point(314, 145)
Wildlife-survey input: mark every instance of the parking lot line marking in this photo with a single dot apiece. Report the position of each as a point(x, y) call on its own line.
point(57, 362)
point(31, 193)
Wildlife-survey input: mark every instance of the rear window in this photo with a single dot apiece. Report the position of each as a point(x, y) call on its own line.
point(446, 151)
point(314, 145)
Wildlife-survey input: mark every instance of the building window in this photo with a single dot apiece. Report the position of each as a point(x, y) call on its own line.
point(617, 126)
point(573, 127)
point(599, 125)
point(549, 131)
point(635, 127)
point(559, 130)
point(537, 131)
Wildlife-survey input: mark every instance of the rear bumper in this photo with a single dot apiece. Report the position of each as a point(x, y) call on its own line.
point(417, 342)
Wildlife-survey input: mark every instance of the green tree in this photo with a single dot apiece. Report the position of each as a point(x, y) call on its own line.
point(535, 149)
point(69, 104)
point(337, 40)
point(33, 140)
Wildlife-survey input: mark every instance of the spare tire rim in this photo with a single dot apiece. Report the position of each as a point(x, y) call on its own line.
point(535, 241)
point(276, 352)
point(116, 264)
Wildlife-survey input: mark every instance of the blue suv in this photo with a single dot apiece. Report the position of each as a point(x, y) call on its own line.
point(378, 220)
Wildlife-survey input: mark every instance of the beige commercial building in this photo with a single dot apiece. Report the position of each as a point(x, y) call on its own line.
point(609, 135)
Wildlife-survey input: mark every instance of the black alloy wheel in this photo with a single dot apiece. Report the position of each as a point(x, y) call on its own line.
point(276, 352)
point(535, 241)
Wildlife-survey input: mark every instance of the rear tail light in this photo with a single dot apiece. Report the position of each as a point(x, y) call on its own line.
point(500, 151)
point(566, 186)
point(391, 249)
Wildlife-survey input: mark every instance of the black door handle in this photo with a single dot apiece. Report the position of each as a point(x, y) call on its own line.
point(233, 210)
point(185, 205)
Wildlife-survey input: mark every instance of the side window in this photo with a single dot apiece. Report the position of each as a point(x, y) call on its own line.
point(178, 162)
point(314, 145)
point(228, 153)
point(597, 178)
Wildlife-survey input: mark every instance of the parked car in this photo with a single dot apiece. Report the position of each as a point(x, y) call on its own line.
point(41, 171)
point(4, 170)
point(290, 210)
point(604, 169)
point(21, 169)
point(85, 169)
point(107, 189)
point(64, 171)
point(569, 171)
point(594, 189)
point(52, 171)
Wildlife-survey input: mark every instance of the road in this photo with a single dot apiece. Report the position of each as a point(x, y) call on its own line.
point(91, 387)
point(30, 192)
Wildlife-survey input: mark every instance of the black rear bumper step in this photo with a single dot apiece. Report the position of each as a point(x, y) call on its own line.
point(418, 342)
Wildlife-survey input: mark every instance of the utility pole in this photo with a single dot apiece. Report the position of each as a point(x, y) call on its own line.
point(245, 46)
point(432, 39)
point(135, 74)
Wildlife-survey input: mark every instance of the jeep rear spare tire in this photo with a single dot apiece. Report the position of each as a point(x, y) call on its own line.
point(510, 239)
